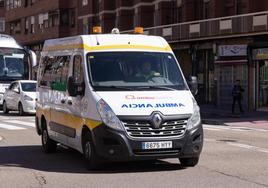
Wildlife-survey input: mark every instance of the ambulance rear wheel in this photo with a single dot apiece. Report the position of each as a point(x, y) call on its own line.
point(189, 162)
point(92, 162)
point(49, 146)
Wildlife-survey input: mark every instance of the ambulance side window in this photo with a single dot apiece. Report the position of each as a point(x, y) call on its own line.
point(60, 73)
point(78, 73)
point(45, 71)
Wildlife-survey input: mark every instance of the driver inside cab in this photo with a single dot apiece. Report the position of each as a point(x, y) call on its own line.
point(146, 71)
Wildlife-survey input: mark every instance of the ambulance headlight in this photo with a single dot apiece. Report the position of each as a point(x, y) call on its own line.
point(108, 116)
point(195, 119)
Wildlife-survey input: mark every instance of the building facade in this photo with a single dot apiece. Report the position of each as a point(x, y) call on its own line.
point(31, 22)
point(2, 16)
point(217, 41)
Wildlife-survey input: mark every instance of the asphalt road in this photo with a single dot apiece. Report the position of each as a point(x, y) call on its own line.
point(231, 157)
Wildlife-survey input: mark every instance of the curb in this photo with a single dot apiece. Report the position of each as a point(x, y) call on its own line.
point(213, 122)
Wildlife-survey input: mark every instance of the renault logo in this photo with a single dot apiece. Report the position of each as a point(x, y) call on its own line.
point(156, 121)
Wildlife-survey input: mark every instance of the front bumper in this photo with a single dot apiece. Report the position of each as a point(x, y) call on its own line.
point(118, 146)
point(29, 107)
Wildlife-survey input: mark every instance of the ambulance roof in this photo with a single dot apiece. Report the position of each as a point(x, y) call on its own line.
point(7, 41)
point(109, 42)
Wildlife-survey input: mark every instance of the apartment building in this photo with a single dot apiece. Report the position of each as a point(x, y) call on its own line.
point(218, 41)
point(31, 22)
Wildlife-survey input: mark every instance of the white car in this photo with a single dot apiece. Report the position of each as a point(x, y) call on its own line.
point(20, 96)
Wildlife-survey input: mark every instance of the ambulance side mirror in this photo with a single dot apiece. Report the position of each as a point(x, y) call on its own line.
point(75, 89)
point(193, 85)
point(71, 87)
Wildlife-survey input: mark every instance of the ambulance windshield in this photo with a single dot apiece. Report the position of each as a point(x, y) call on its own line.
point(134, 71)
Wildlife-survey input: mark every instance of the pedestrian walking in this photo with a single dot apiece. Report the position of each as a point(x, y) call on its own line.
point(237, 94)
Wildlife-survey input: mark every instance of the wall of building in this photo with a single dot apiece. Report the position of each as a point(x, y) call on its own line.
point(32, 23)
point(2, 16)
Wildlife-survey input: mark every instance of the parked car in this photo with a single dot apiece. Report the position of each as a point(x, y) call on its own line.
point(20, 96)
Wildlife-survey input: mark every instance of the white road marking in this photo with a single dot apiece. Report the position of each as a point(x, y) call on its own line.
point(11, 127)
point(241, 145)
point(29, 124)
point(241, 129)
point(250, 147)
point(212, 129)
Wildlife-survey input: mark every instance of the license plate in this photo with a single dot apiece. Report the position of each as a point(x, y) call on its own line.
point(157, 145)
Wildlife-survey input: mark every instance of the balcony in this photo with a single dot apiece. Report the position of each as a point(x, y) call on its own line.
point(224, 27)
point(41, 35)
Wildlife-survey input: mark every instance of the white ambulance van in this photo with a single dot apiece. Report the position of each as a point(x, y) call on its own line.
point(116, 97)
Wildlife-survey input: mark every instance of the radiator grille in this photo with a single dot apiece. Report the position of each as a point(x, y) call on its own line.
point(169, 128)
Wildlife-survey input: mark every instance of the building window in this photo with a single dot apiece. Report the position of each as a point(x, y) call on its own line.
point(17, 27)
point(238, 7)
point(53, 19)
point(64, 17)
point(2, 25)
point(84, 2)
point(26, 25)
point(33, 1)
point(206, 9)
point(72, 18)
point(85, 26)
point(17, 3)
point(32, 24)
point(2, 3)
point(11, 4)
point(43, 20)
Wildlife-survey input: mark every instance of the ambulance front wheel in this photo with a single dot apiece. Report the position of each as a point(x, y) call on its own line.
point(92, 162)
point(49, 146)
point(189, 162)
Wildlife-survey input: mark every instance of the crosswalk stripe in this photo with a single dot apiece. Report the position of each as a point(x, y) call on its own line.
point(29, 124)
point(241, 129)
point(11, 127)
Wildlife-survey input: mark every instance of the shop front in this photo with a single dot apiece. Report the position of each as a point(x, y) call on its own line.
point(260, 60)
point(231, 65)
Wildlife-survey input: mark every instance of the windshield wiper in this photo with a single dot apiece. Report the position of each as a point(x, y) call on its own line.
point(113, 87)
point(157, 87)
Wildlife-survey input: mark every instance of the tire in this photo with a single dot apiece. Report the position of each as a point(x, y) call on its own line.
point(20, 108)
point(49, 146)
point(5, 109)
point(89, 152)
point(189, 162)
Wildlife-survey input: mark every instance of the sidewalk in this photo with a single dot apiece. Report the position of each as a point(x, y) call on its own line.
point(215, 116)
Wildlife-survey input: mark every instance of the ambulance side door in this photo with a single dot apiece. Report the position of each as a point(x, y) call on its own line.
point(75, 104)
point(59, 114)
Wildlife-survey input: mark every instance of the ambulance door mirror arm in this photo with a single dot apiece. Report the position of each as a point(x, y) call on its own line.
point(193, 85)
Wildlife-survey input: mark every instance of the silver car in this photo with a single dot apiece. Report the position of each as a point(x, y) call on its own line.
point(20, 96)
